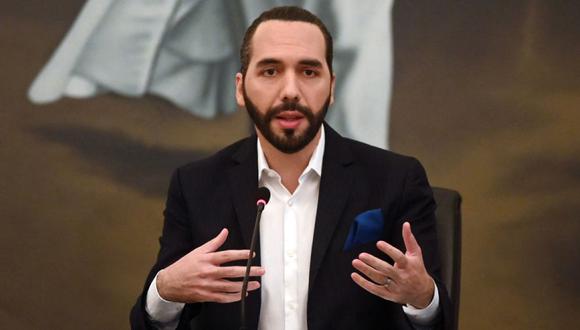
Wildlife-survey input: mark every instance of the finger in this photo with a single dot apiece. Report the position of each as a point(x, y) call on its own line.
point(222, 257)
point(223, 298)
point(215, 243)
point(225, 286)
point(410, 242)
point(377, 290)
point(237, 271)
point(253, 285)
point(369, 271)
point(378, 264)
point(395, 254)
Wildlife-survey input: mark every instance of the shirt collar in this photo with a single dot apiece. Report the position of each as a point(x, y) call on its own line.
point(315, 163)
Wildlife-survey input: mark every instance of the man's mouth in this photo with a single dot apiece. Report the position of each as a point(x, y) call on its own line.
point(289, 119)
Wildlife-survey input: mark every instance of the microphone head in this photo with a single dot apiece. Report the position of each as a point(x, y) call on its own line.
point(262, 196)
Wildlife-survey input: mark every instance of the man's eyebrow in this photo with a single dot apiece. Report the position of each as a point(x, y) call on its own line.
point(312, 63)
point(305, 62)
point(268, 61)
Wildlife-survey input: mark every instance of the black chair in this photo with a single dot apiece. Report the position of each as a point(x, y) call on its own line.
point(448, 216)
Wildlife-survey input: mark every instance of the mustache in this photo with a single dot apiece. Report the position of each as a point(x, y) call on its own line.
point(289, 106)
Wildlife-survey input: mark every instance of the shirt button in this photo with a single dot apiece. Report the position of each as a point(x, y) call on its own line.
point(290, 202)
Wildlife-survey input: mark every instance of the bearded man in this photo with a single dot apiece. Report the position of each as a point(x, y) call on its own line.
point(347, 240)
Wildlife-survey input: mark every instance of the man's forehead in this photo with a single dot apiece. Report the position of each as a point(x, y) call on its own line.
point(280, 37)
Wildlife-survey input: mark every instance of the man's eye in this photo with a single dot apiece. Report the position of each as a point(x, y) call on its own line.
point(270, 72)
point(309, 73)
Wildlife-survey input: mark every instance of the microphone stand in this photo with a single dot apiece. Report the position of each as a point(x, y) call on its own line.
point(261, 205)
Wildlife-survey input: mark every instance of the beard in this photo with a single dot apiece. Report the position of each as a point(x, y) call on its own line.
point(291, 141)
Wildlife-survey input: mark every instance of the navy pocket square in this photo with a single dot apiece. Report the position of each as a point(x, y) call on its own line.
point(367, 227)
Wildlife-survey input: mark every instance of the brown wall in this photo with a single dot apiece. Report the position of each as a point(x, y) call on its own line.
point(486, 95)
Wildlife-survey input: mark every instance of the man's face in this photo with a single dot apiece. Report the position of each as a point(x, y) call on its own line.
point(287, 87)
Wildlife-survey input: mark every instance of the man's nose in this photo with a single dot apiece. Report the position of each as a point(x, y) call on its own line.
point(290, 90)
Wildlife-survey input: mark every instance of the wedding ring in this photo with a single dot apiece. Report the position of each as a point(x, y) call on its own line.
point(387, 282)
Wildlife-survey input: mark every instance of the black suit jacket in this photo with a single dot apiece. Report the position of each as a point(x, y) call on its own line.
point(219, 192)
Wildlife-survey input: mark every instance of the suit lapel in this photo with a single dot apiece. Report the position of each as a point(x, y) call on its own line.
point(333, 195)
point(243, 179)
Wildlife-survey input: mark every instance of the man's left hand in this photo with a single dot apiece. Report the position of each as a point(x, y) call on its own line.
point(404, 282)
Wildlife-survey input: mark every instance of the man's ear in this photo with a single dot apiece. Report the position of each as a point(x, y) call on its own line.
point(240, 90)
point(332, 83)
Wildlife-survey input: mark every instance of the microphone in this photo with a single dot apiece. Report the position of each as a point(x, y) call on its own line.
point(262, 198)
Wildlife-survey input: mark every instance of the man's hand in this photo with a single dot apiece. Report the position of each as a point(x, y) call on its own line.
point(405, 282)
point(198, 276)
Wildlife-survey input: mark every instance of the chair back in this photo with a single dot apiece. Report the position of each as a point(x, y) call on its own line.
point(448, 216)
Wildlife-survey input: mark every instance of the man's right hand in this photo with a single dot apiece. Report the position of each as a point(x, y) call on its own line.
point(199, 277)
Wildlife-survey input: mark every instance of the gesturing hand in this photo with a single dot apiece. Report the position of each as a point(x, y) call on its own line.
point(198, 276)
point(404, 282)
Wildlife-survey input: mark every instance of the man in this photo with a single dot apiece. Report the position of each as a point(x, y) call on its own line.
point(316, 270)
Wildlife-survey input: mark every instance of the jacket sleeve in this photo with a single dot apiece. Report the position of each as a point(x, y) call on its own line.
point(417, 206)
point(175, 242)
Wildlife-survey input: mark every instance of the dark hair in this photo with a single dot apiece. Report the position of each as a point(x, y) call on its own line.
point(284, 13)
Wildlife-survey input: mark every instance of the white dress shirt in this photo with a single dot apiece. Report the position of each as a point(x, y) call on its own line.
point(286, 232)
